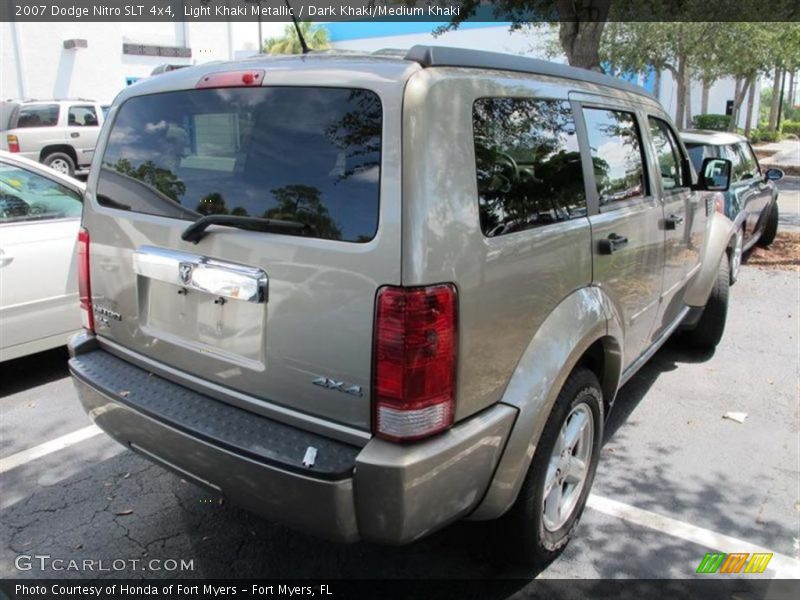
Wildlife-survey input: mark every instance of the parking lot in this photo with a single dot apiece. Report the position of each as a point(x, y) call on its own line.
point(676, 479)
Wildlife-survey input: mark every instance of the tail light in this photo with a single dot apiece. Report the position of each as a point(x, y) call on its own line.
point(13, 143)
point(84, 282)
point(414, 358)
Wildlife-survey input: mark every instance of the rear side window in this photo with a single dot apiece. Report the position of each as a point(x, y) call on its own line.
point(37, 115)
point(739, 166)
point(302, 154)
point(616, 147)
point(528, 164)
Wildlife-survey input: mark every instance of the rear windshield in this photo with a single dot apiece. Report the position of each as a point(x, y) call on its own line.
point(302, 154)
point(699, 152)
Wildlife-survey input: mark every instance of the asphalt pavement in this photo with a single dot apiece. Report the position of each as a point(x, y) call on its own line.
point(676, 478)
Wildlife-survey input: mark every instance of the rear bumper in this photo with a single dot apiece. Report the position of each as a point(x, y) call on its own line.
point(383, 492)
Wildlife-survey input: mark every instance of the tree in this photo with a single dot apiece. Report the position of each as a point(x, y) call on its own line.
point(581, 24)
point(316, 38)
point(681, 48)
point(303, 203)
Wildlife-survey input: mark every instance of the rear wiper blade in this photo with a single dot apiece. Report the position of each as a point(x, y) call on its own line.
point(196, 231)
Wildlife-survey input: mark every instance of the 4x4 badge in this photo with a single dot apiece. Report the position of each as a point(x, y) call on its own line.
point(338, 386)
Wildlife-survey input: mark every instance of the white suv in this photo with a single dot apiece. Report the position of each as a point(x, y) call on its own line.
point(61, 134)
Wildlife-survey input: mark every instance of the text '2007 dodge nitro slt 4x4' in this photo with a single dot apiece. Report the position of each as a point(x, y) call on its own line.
point(369, 295)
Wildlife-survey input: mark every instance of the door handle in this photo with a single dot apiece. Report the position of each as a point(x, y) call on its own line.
point(672, 222)
point(5, 259)
point(612, 243)
point(74, 134)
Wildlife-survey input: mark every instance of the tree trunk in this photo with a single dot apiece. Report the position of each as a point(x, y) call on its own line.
point(704, 99)
point(742, 87)
point(791, 89)
point(580, 31)
point(657, 84)
point(776, 99)
point(751, 101)
point(687, 91)
point(680, 93)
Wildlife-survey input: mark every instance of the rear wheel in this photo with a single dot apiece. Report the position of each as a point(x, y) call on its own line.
point(61, 162)
point(770, 227)
point(555, 489)
point(708, 332)
point(737, 256)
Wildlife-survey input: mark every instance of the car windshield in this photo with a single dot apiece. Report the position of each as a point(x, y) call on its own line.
point(304, 154)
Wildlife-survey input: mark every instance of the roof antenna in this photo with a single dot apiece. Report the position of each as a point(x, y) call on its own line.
point(303, 44)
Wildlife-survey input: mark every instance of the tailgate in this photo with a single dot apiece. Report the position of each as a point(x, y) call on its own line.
point(269, 320)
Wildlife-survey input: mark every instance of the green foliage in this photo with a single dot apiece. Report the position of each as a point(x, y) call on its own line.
point(713, 122)
point(790, 128)
point(315, 36)
point(764, 135)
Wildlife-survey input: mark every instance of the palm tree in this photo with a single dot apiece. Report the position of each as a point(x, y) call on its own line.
point(316, 37)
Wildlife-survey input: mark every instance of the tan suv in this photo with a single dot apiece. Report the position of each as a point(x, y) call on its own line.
point(370, 295)
point(61, 134)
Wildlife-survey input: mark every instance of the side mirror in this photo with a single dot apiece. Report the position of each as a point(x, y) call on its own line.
point(773, 174)
point(715, 175)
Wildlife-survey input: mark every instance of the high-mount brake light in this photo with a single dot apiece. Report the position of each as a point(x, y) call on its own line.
point(231, 79)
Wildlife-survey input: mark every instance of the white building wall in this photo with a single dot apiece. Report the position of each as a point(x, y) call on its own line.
point(719, 94)
point(46, 70)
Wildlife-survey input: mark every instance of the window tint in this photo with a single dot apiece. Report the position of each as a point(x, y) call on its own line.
point(668, 154)
point(38, 115)
point(82, 116)
point(294, 153)
point(739, 169)
point(26, 196)
point(528, 164)
point(699, 152)
point(616, 148)
point(749, 164)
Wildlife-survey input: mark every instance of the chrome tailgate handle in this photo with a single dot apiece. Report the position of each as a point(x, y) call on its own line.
point(193, 272)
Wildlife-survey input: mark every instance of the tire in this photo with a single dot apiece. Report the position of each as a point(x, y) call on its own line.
point(736, 258)
point(770, 227)
point(61, 162)
point(709, 329)
point(530, 532)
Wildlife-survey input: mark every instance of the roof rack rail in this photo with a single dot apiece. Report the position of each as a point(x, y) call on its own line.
point(444, 56)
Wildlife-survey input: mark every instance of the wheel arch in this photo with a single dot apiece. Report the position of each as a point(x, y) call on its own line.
point(579, 331)
point(717, 242)
point(63, 148)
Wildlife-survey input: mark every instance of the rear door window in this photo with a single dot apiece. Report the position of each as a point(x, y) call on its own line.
point(750, 164)
point(82, 116)
point(37, 115)
point(616, 146)
point(698, 153)
point(302, 154)
point(528, 164)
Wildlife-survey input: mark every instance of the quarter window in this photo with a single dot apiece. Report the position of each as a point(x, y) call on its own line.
point(528, 164)
point(37, 115)
point(667, 154)
point(616, 147)
point(26, 196)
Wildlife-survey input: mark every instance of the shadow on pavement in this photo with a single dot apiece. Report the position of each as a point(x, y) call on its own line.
point(31, 371)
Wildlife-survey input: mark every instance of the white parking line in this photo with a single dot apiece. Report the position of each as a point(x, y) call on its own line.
point(781, 566)
point(60, 443)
